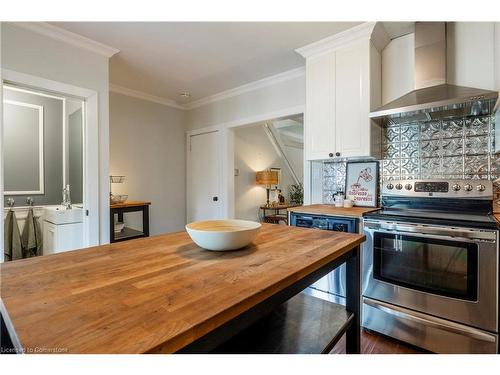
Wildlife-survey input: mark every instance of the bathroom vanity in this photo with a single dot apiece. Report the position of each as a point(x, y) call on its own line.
point(62, 229)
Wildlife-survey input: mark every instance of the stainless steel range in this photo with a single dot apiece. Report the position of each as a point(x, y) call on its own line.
point(430, 267)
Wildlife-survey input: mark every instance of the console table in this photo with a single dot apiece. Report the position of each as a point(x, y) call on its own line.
point(276, 215)
point(129, 233)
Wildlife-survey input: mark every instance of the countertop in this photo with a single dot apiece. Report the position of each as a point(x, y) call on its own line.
point(331, 210)
point(130, 204)
point(156, 294)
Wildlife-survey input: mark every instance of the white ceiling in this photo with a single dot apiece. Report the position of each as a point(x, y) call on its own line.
point(203, 58)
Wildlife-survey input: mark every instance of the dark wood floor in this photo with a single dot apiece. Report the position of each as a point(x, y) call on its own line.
point(372, 343)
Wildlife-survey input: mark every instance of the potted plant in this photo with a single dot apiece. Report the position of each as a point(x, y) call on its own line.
point(296, 194)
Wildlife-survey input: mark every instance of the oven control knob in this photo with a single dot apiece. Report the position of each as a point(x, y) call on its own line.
point(455, 187)
point(390, 186)
point(468, 187)
point(481, 187)
point(408, 186)
point(399, 186)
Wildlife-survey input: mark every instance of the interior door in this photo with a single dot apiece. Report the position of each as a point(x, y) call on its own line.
point(204, 201)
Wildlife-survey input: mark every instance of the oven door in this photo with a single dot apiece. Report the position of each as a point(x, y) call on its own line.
point(446, 272)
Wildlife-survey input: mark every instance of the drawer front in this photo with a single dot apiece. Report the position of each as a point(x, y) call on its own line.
point(426, 331)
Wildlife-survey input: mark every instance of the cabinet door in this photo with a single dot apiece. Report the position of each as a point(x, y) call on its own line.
point(49, 238)
point(353, 100)
point(320, 103)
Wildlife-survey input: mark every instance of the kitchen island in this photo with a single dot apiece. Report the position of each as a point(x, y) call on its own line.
point(164, 294)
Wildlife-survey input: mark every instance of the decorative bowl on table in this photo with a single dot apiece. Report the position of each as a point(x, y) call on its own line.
point(222, 235)
point(120, 198)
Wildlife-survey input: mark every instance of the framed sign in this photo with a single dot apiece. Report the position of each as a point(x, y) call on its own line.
point(362, 183)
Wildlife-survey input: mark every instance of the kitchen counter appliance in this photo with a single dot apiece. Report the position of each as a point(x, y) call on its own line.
point(430, 266)
point(331, 287)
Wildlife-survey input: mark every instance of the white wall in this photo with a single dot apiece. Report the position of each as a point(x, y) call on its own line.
point(265, 103)
point(471, 54)
point(253, 151)
point(147, 145)
point(31, 53)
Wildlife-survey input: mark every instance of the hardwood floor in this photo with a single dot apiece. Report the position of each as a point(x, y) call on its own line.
point(372, 343)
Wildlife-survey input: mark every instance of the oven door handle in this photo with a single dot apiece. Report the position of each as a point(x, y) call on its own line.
point(423, 229)
point(430, 320)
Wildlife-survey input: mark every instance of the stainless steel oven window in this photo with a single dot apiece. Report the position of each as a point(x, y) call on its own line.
point(443, 267)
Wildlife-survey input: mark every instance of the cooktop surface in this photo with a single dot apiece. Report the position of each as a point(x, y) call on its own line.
point(435, 217)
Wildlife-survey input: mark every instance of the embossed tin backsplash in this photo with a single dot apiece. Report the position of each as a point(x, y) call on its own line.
point(443, 149)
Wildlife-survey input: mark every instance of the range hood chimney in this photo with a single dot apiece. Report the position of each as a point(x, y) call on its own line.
point(433, 97)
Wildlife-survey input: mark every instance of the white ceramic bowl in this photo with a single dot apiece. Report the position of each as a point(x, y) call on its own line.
point(222, 235)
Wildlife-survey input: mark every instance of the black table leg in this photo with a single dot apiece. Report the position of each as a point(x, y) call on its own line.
point(353, 293)
point(145, 220)
point(112, 226)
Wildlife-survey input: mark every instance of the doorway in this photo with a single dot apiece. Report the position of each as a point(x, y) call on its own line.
point(50, 133)
point(275, 145)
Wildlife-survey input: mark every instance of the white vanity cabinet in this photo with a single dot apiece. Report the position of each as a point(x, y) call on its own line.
point(62, 229)
point(343, 84)
point(62, 237)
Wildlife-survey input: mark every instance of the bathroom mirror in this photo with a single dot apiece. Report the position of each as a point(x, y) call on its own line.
point(43, 146)
point(23, 148)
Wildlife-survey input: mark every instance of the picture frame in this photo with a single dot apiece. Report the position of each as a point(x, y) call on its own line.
point(361, 182)
point(275, 188)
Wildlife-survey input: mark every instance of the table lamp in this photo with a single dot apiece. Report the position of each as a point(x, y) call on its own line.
point(267, 178)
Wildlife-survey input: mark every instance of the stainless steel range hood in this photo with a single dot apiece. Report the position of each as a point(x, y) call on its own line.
point(433, 98)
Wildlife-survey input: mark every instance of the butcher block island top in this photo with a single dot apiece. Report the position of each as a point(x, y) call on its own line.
point(157, 294)
point(331, 210)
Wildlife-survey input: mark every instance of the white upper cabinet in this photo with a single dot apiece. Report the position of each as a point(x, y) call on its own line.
point(320, 100)
point(343, 84)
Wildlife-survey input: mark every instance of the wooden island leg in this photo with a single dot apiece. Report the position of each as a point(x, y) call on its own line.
point(353, 297)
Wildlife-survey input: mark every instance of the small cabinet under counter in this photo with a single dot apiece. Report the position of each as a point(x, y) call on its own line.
point(125, 232)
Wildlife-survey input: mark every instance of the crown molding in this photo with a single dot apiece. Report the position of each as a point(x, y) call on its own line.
point(265, 82)
point(145, 96)
point(331, 43)
point(57, 33)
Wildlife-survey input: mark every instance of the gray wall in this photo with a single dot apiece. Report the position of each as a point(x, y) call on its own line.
point(148, 146)
point(15, 170)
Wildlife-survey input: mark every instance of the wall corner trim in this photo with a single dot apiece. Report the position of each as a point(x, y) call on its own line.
point(57, 33)
point(333, 42)
point(144, 96)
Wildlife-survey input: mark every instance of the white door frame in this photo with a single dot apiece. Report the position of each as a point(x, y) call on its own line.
point(91, 142)
point(226, 137)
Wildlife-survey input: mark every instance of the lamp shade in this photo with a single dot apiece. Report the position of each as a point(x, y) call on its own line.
point(267, 178)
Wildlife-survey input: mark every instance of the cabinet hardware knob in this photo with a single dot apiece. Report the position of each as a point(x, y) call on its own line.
point(215, 199)
point(337, 154)
point(330, 154)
